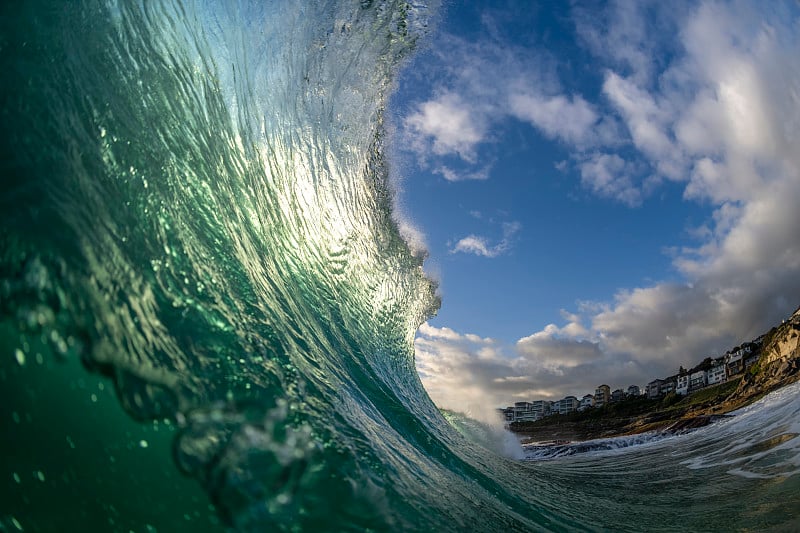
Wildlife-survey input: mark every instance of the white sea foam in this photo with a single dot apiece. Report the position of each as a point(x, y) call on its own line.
point(761, 440)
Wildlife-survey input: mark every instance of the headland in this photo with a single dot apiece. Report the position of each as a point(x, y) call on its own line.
point(778, 365)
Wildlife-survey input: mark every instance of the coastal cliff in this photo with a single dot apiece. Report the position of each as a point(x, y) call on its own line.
point(778, 365)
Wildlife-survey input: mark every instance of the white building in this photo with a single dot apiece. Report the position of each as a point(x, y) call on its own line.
point(682, 386)
point(698, 380)
point(521, 410)
point(587, 402)
point(566, 405)
point(717, 374)
point(541, 408)
point(527, 416)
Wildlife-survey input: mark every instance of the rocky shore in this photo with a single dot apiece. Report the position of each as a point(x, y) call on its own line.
point(778, 366)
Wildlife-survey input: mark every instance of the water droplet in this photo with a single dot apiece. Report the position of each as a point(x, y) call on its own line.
point(20, 355)
point(70, 442)
point(143, 443)
point(94, 398)
point(102, 131)
point(16, 523)
point(39, 475)
point(17, 478)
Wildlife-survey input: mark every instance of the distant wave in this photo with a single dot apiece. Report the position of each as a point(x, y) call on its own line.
point(540, 451)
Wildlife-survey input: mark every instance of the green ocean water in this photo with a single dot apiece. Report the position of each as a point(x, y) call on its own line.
point(207, 310)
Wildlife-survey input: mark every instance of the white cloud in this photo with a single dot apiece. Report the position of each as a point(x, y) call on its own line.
point(474, 244)
point(472, 374)
point(610, 176)
point(646, 119)
point(450, 123)
point(559, 117)
point(453, 175)
point(560, 354)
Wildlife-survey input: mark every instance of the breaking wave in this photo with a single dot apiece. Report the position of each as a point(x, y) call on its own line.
point(196, 211)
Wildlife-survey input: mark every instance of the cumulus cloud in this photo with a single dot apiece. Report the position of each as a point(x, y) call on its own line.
point(717, 110)
point(645, 118)
point(472, 374)
point(450, 124)
point(725, 120)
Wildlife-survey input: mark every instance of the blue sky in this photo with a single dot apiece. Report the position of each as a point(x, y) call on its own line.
point(606, 190)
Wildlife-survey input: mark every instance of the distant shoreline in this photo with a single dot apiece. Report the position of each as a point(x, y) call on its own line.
point(561, 431)
point(777, 367)
point(616, 421)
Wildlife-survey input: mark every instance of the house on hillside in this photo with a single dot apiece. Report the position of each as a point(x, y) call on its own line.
point(541, 409)
point(587, 402)
point(565, 405)
point(617, 395)
point(682, 386)
point(653, 388)
point(602, 395)
point(698, 380)
point(669, 385)
point(634, 391)
point(521, 411)
point(734, 362)
point(718, 373)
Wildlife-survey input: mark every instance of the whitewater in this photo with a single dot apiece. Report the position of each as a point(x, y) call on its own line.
point(207, 309)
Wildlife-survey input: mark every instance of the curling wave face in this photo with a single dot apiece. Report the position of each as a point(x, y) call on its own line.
point(198, 208)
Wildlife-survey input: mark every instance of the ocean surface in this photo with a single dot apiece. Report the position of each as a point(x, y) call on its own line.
point(207, 308)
